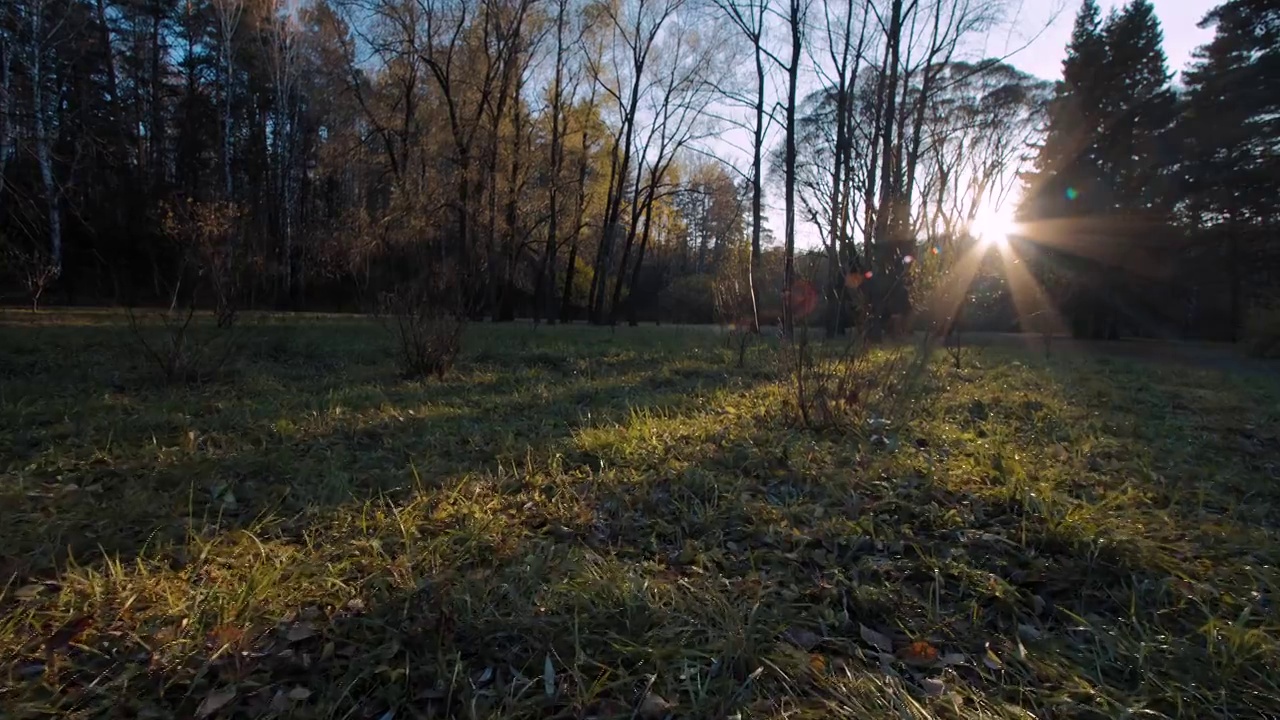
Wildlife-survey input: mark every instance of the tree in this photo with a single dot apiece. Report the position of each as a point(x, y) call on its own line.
point(796, 16)
point(1230, 129)
point(1102, 172)
point(749, 19)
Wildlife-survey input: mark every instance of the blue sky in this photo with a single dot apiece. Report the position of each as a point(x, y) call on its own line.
point(1043, 57)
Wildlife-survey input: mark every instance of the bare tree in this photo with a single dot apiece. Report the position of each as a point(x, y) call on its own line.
point(748, 18)
point(43, 30)
point(680, 92)
point(227, 14)
point(634, 27)
point(797, 11)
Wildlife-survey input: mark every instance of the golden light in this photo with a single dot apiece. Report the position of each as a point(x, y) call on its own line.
point(993, 227)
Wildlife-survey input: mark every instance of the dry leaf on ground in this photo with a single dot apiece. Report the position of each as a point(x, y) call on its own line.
point(548, 676)
point(653, 707)
point(919, 653)
point(68, 633)
point(876, 640)
point(933, 687)
point(300, 632)
point(215, 701)
point(801, 638)
point(28, 592)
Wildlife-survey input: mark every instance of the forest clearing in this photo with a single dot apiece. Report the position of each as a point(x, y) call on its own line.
point(576, 523)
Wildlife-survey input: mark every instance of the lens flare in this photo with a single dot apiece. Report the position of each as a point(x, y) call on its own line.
point(993, 226)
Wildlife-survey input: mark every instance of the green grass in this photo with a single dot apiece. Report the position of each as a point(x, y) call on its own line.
point(579, 523)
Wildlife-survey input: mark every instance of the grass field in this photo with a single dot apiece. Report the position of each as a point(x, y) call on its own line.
point(578, 523)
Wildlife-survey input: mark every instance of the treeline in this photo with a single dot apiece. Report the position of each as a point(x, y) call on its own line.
point(563, 159)
point(1153, 207)
point(551, 155)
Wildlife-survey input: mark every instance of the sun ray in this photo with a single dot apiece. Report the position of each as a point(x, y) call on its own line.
point(1036, 310)
point(945, 300)
point(1096, 240)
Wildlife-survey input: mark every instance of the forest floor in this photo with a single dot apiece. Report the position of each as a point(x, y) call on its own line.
point(583, 523)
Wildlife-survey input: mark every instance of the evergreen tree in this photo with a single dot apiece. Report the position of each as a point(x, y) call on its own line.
point(1139, 109)
point(1231, 115)
point(1068, 159)
point(1230, 129)
point(1104, 162)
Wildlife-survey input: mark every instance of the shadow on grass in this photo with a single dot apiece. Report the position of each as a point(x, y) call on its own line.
point(349, 542)
point(623, 515)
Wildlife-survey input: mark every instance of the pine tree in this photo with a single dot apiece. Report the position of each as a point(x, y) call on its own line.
point(1231, 113)
point(1104, 162)
point(1068, 159)
point(1139, 109)
point(1230, 127)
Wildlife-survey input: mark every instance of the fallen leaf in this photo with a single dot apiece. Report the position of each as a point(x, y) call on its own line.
point(1029, 632)
point(653, 707)
point(817, 663)
point(876, 640)
point(991, 661)
point(28, 592)
point(225, 635)
point(933, 687)
point(279, 703)
point(918, 653)
point(548, 676)
point(801, 638)
point(953, 659)
point(299, 693)
point(68, 633)
point(215, 701)
point(300, 632)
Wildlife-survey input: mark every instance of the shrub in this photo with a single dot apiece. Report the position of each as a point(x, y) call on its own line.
point(734, 305)
point(843, 384)
point(32, 267)
point(427, 323)
point(209, 272)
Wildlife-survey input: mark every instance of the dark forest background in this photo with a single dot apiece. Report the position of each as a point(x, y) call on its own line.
point(555, 159)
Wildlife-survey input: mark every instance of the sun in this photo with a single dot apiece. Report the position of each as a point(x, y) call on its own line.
point(993, 227)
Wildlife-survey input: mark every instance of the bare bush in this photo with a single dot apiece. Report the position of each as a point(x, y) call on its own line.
point(731, 290)
point(427, 328)
point(849, 383)
point(33, 268)
point(208, 272)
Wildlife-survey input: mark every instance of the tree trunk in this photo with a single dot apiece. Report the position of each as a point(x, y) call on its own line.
point(757, 191)
point(566, 297)
point(789, 252)
point(544, 303)
point(635, 273)
point(887, 219)
point(44, 153)
point(6, 82)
